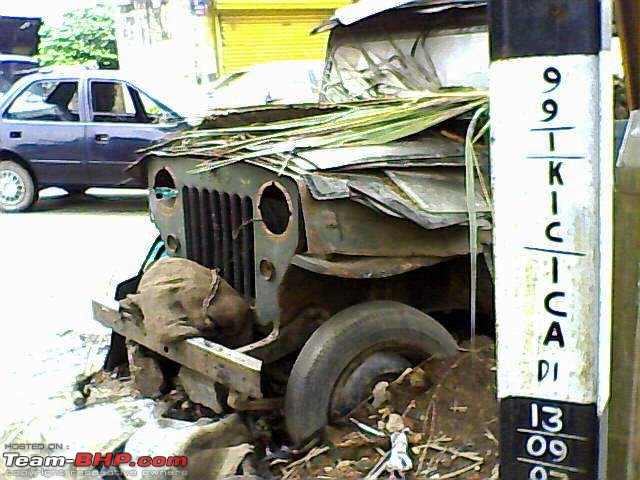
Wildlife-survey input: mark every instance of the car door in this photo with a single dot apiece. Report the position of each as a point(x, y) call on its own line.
point(43, 125)
point(122, 120)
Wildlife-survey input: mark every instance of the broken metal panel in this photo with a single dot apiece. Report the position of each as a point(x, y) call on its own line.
point(356, 12)
point(327, 187)
point(436, 191)
point(400, 198)
point(402, 50)
point(238, 371)
point(375, 205)
point(362, 267)
point(430, 150)
point(344, 227)
point(432, 198)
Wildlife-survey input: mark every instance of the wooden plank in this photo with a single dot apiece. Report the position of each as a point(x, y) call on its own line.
point(236, 370)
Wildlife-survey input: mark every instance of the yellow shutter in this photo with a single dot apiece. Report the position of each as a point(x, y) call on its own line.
point(258, 36)
point(280, 4)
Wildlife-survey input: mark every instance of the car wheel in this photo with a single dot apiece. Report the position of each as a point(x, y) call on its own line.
point(17, 187)
point(348, 354)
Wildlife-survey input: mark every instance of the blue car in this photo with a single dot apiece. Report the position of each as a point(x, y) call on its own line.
point(74, 129)
point(13, 67)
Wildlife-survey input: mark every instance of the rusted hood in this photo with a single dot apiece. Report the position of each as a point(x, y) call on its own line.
point(421, 179)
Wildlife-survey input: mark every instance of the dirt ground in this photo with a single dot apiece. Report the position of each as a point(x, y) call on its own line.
point(450, 409)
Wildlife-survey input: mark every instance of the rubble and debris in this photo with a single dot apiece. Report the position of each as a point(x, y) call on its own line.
point(396, 461)
point(215, 448)
point(367, 428)
point(98, 427)
point(445, 410)
point(200, 390)
point(146, 370)
point(437, 421)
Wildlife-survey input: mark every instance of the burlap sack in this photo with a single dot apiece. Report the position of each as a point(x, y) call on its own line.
point(179, 299)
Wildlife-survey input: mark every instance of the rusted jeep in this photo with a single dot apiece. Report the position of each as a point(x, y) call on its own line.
point(354, 270)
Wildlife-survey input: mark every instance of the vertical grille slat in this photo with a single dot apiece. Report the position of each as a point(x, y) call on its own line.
point(193, 230)
point(216, 218)
point(246, 234)
point(219, 228)
point(227, 271)
point(236, 242)
point(205, 230)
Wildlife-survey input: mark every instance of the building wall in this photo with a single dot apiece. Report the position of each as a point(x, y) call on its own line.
point(168, 47)
point(179, 47)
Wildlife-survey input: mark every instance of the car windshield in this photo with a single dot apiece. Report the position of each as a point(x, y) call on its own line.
point(156, 111)
point(269, 83)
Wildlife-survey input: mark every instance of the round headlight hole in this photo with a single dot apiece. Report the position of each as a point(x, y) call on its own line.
point(164, 187)
point(274, 209)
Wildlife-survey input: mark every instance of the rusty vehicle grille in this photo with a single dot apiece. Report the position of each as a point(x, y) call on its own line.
point(219, 232)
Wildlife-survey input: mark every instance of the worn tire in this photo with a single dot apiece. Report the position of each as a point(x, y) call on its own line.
point(29, 191)
point(346, 339)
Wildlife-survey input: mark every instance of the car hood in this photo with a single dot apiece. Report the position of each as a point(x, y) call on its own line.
point(19, 35)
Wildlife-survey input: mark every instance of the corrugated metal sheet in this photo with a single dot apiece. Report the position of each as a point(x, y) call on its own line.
point(269, 35)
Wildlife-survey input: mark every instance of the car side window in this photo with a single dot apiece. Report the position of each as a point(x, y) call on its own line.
point(48, 100)
point(154, 111)
point(112, 102)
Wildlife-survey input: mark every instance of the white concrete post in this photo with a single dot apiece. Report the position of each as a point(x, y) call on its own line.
point(552, 128)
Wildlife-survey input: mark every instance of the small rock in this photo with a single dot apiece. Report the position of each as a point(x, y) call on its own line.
point(418, 378)
point(385, 412)
point(78, 398)
point(365, 464)
point(394, 423)
point(380, 394)
point(145, 370)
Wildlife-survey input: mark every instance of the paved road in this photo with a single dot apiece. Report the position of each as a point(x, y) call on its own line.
point(53, 260)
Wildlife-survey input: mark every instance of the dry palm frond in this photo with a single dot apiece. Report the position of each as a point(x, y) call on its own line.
point(373, 122)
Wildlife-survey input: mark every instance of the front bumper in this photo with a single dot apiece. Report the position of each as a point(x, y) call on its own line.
point(238, 371)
